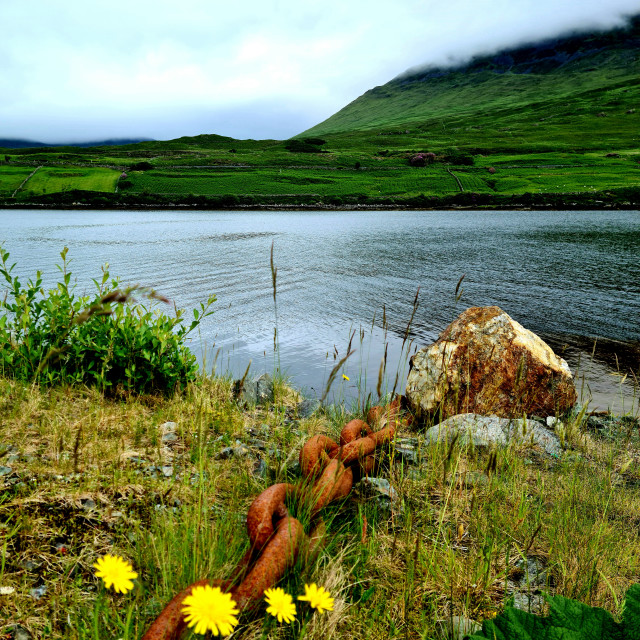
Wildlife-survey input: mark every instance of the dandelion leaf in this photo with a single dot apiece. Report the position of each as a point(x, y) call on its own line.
point(514, 624)
point(631, 614)
point(567, 620)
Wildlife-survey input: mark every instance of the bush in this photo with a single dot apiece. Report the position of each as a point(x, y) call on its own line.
point(308, 145)
point(107, 340)
point(460, 159)
point(141, 166)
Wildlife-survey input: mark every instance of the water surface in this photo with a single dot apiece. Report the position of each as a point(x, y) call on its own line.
point(569, 276)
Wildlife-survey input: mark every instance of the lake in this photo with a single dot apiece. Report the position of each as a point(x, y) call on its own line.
point(571, 277)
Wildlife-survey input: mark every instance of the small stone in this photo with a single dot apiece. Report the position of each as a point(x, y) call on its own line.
point(18, 632)
point(531, 602)
point(169, 437)
point(385, 495)
point(307, 408)
point(7, 591)
point(260, 469)
point(87, 503)
point(233, 452)
point(406, 449)
point(456, 628)
point(225, 454)
point(256, 443)
point(5, 471)
point(167, 470)
point(38, 592)
point(168, 426)
point(553, 422)
point(30, 565)
point(534, 572)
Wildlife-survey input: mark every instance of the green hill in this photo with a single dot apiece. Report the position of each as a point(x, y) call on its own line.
point(573, 93)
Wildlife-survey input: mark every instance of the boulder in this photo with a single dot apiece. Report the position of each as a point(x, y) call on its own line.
point(487, 431)
point(486, 363)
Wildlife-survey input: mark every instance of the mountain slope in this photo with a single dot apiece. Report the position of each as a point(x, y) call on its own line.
point(592, 75)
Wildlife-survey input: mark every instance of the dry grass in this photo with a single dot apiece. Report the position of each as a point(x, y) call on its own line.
point(451, 545)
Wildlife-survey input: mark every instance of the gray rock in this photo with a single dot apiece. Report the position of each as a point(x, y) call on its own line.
point(167, 470)
point(385, 495)
point(260, 469)
point(456, 628)
point(38, 592)
point(264, 386)
point(488, 431)
point(18, 632)
point(609, 426)
point(87, 504)
point(239, 451)
point(407, 450)
point(168, 426)
point(531, 602)
point(257, 391)
point(534, 572)
point(307, 408)
point(169, 437)
point(5, 471)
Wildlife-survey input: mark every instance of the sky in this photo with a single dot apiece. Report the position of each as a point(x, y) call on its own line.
point(78, 70)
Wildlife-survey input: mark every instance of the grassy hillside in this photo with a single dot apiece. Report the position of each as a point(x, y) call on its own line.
point(571, 85)
point(556, 124)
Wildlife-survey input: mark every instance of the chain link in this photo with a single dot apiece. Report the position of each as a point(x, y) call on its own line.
point(277, 539)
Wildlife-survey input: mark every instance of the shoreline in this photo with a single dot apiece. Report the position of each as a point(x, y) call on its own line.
point(307, 207)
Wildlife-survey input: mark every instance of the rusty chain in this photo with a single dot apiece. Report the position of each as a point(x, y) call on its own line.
point(277, 539)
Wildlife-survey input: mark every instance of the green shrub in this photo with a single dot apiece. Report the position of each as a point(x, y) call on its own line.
point(108, 340)
point(141, 166)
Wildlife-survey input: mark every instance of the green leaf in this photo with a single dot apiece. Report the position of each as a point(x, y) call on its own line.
point(631, 613)
point(567, 620)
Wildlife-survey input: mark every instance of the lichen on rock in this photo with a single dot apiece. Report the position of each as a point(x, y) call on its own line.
point(487, 363)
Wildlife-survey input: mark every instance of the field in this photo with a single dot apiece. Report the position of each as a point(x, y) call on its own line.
point(54, 179)
point(12, 177)
point(274, 181)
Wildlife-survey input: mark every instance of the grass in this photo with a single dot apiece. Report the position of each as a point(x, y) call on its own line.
point(54, 179)
point(12, 177)
point(89, 481)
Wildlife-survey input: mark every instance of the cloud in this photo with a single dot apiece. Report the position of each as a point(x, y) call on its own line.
point(248, 69)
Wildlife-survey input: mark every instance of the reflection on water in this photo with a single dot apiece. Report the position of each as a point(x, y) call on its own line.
point(568, 276)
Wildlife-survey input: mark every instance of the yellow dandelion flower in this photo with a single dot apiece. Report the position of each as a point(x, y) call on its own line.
point(208, 609)
point(345, 377)
point(115, 572)
point(281, 604)
point(317, 597)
